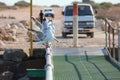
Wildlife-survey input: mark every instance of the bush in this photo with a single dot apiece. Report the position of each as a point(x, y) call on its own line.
point(106, 5)
point(22, 4)
point(94, 5)
point(2, 4)
point(118, 4)
point(54, 6)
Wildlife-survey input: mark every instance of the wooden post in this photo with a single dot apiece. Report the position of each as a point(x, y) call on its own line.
point(75, 24)
point(31, 38)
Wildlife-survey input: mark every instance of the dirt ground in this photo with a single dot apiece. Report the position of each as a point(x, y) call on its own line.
point(24, 14)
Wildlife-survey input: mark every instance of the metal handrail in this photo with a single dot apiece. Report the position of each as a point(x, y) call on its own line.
point(111, 46)
point(49, 66)
point(107, 21)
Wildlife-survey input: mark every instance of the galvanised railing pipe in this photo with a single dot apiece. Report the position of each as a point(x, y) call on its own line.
point(49, 60)
point(49, 73)
point(49, 65)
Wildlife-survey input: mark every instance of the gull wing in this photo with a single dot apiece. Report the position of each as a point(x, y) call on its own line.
point(47, 40)
point(38, 34)
point(37, 23)
point(48, 37)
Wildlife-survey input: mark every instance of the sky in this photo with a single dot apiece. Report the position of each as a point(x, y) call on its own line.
point(58, 2)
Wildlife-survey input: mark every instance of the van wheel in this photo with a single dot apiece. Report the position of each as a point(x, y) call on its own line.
point(91, 35)
point(64, 35)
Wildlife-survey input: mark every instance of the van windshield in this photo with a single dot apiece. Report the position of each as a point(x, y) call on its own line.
point(82, 11)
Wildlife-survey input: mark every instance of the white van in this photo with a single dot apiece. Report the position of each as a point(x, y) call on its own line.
point(48, 12)
point(86, 20)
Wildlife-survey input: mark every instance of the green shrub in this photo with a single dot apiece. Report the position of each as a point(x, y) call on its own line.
point(54, 6)
point(22, 4)
point(106, 5)
point(2, 4)
point(95, 5)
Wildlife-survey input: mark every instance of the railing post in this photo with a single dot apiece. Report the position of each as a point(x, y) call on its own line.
point(113, 43)
point(106, 41)
point(75, 24)
point(109, 39)
point(119, 44)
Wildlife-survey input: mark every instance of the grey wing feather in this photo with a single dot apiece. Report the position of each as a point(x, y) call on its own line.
point(39, 34)
point(37, 23)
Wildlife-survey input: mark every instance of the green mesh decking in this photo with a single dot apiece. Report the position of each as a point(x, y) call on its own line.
point(84, 68)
